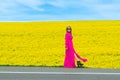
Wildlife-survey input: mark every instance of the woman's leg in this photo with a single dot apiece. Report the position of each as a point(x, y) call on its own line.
point(76, 58)
point(79, 64)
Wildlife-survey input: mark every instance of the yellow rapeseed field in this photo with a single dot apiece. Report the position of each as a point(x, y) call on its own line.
point(42, 43)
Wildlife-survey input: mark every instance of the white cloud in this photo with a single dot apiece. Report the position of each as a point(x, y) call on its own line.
point(6, 7)
point(64, 3)
point(107, 10)
point(72, 3)
point(13, 10)
point(34, 4)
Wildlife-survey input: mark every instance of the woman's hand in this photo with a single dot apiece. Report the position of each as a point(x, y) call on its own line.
point(66, 48)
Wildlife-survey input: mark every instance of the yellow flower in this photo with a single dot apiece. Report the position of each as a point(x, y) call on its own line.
point(42, 43)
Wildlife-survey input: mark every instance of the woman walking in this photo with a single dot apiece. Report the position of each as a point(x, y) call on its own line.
point(70, 54)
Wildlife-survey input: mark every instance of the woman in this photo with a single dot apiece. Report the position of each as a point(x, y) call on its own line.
point(70, 54)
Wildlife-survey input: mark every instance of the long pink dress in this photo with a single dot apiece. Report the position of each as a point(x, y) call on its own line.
point(69, 61)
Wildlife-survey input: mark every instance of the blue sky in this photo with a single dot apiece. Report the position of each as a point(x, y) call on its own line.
point(47, 10)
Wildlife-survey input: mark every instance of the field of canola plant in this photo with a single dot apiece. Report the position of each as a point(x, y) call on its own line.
point(42, 43)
